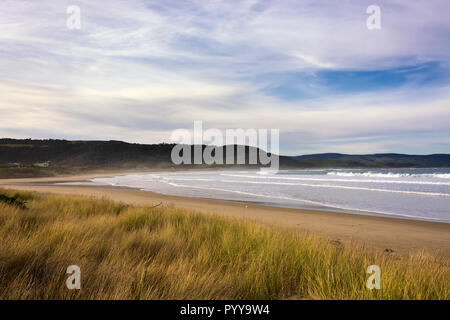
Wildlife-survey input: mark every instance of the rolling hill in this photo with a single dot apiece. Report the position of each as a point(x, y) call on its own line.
point(30, 157)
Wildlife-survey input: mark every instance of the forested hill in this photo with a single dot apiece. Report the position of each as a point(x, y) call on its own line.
point(382, 160)
point(92, 154)
point(117, 154)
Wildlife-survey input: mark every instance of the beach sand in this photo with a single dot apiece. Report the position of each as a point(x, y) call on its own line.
point(380, 233)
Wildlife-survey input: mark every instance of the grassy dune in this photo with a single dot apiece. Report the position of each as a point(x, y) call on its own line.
point(127, 252)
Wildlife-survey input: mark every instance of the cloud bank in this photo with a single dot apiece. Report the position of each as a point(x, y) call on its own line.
point(136, 70)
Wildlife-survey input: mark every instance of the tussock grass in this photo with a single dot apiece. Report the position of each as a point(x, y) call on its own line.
point(127, 252)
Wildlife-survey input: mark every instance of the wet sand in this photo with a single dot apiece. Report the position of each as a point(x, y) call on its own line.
point(380, 233)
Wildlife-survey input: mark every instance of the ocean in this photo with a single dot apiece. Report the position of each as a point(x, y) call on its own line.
point(422, 194)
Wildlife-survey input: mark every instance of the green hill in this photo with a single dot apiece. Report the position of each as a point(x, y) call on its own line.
point(383, 160)
point(28, 157)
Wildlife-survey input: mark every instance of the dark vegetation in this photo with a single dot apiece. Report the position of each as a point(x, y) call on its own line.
point(13, 200)
point(25, 158)
point(381, 160)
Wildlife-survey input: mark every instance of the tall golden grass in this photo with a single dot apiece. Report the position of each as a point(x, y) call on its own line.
point(127, 252)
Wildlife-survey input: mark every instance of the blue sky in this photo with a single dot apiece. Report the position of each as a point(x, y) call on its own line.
point(137, 70)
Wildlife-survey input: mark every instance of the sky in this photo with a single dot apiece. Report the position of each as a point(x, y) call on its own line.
point(136, 70)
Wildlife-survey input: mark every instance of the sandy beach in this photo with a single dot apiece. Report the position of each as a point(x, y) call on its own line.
point(380, 233)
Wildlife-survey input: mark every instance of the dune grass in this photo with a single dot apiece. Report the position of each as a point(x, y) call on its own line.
point(127, 252)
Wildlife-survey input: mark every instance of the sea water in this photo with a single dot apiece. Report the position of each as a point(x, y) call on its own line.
point(422, 194)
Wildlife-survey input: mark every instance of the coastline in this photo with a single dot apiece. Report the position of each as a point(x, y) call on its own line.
point(383, 234)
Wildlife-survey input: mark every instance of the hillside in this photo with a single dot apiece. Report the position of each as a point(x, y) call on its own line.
point(140, 252)
point(27, 157)
point(382, 160)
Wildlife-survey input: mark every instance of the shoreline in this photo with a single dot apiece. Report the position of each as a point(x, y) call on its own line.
point(377, 232)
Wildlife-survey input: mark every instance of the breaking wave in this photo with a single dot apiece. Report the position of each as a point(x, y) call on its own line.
point(389, 174)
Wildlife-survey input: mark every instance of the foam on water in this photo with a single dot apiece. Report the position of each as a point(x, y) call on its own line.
point(409, 193)
point(341, 180)
point(388, 174)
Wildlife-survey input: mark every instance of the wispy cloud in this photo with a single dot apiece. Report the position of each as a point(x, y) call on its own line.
point(138, 69)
